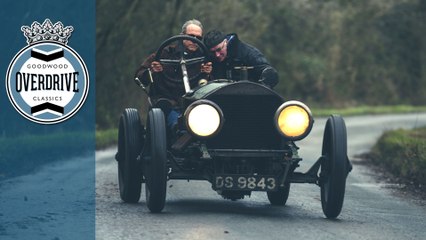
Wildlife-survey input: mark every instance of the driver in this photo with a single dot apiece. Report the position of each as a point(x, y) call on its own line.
point(171, 88)
point(230, 54)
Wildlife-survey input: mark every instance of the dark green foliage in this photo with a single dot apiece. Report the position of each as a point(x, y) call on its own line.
point(106, 138)
point(328, 53)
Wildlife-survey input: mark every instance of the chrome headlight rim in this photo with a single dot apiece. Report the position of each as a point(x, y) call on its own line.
point(196, 104)
point(302, 106)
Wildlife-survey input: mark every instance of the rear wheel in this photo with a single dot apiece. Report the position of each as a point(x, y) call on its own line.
point(130, 143)
point(334, 166)
point(279, 198)
point(155, 162)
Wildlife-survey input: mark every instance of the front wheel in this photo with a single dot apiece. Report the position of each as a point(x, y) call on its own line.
point(155, 162)
point(334, 166)
point(130, 143)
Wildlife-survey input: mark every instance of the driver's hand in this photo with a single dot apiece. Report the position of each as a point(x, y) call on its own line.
point(156, 66)
point(206, 67)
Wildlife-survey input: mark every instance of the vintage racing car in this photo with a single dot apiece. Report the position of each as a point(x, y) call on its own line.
point(238, 135)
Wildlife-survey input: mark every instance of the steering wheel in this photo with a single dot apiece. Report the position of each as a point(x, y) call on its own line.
point(179, 55)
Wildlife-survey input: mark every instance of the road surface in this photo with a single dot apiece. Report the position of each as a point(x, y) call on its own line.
point(58, 201)
point(372, 209)
point(55, 203)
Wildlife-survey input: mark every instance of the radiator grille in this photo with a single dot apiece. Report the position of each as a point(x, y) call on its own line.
point(248, 124)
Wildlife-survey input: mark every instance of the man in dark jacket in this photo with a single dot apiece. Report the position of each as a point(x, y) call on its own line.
point(166, 82)
point(236, 60)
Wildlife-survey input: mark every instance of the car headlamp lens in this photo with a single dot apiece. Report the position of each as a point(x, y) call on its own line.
point(203, 118)
point(294, 120)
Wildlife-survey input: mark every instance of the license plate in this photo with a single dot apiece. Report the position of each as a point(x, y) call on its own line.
point(245, 182)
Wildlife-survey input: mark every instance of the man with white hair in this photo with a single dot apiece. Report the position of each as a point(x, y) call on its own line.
point(162, 87)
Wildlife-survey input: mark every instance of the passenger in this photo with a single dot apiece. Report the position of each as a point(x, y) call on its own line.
point(230, 54)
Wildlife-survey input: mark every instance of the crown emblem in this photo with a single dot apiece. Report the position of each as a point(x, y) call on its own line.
point(47, 31)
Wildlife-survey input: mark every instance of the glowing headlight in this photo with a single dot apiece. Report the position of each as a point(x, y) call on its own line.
point(204, 118)
point(294, 120)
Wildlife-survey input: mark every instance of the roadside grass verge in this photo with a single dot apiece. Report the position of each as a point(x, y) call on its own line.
point(367, 110)
point(106, 138)
point(403, 153)
point(23, 154)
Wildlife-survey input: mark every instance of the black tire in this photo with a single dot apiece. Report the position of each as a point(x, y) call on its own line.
point(130, 144)
point(279, 198)
point(334, 166)
point(155, 164)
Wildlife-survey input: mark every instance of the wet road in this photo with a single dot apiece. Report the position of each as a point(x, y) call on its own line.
point(54, 203)
point(372, 209)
